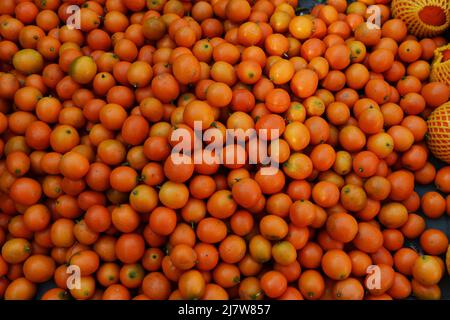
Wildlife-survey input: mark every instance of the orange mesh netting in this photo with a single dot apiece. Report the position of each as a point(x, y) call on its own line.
point(439, 132)
point(424, 18)
point(440, 69)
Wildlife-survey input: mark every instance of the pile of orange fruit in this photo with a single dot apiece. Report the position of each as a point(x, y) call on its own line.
point(88, 119)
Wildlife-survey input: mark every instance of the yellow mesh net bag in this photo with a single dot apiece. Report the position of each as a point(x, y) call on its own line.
point(438, 136)
point(424, 18)
point(440, 68)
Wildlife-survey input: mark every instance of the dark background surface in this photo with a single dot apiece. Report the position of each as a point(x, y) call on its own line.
point(442, 223)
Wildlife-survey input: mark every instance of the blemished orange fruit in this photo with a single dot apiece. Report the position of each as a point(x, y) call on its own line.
point(447, 260)
point(28, 61)
point(83, 69)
